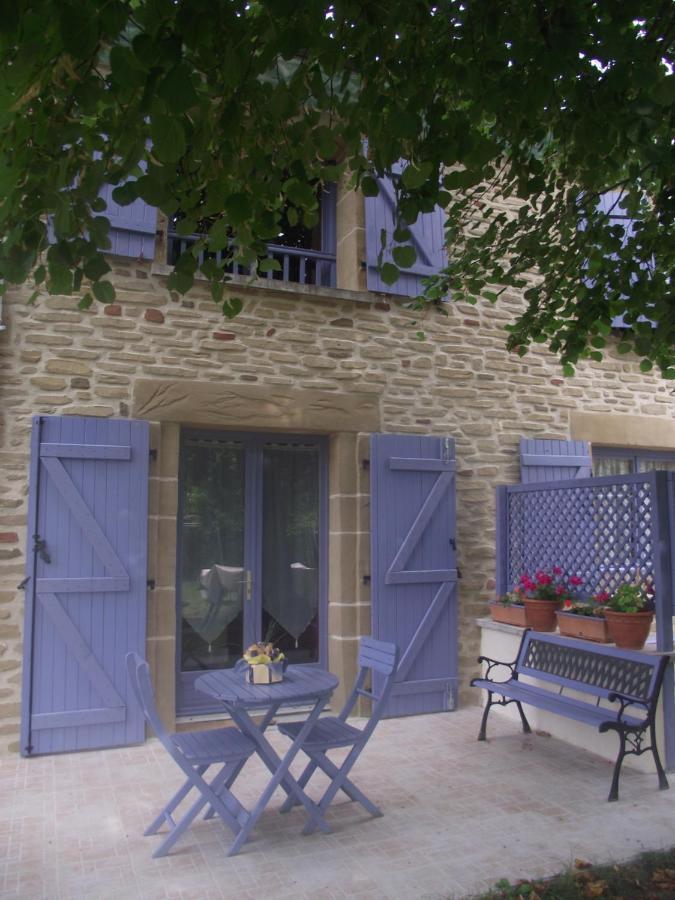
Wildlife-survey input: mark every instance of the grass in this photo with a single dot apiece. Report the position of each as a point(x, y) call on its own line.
point(650, 876)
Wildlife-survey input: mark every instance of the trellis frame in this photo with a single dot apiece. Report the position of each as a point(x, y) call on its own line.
point(613, 525)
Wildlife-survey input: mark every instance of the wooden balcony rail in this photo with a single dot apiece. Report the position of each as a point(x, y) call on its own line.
point(298, 265)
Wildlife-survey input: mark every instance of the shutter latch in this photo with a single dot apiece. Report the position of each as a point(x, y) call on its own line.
point(40, 547)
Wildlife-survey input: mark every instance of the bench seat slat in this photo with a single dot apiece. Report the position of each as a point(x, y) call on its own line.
point(562, 704)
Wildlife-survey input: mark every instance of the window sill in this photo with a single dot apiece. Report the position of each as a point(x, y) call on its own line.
point(250, 285)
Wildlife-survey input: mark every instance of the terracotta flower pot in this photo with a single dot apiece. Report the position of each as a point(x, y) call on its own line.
point(540, 614)
point(590, 628)
point(629, 630)
point(508, 614)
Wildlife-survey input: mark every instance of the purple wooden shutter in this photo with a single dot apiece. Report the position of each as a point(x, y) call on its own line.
point(428, 238)
point(132, 228)
point(86, 582)
point(543, 460)
point(414, 572)
point(609, 204)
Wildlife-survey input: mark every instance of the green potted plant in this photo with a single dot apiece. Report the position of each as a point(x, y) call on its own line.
point(545, 593)
point(509, 609)
point(585, 618)
point(629, 613)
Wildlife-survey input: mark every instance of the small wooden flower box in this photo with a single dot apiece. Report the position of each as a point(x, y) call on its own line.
point(591, 628)
point(265, 674)
point(508, 614)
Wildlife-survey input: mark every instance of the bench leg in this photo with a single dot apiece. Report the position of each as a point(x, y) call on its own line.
point(663, 781)
point(614, 788)
point(486, 712)
point(523, 718)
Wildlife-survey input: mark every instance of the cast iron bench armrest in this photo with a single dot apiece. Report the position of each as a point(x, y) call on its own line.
point(626, 700)
point(493, 663)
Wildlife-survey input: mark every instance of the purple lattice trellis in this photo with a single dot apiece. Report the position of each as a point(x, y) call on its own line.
point(605, 530)
point(601, 532)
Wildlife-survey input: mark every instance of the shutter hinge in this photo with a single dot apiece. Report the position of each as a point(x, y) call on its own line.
point(453, 543)
point(153, 454)
point(151, 584)
point(365, 464)
point(366, 579)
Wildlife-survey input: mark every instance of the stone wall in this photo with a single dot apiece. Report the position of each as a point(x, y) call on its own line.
point(334, 362)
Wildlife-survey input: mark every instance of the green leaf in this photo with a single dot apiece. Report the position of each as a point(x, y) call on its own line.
point(232, 307)
point(103, 291)
point(415, 176)
point(369, 187)
point(177, 90)
point(402, 234)
point(168, 138)
point(404, 257)
point(646, 365)
point(269, 265)
point(96, 268)
point(568, 370)
point(389, 273)
point(85, 301)
point(180, 281)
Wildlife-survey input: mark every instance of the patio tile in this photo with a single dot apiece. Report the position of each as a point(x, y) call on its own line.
point(458, 816)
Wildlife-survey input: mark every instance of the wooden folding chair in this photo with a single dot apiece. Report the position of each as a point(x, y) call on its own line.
point(333, 731)
point(194, 752)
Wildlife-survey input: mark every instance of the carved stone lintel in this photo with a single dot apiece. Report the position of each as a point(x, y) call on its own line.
point(255, 406)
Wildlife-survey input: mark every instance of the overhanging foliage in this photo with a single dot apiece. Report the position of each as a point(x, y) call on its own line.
point(225, 110)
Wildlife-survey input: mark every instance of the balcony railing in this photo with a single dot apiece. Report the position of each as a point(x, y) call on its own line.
point(298, 265)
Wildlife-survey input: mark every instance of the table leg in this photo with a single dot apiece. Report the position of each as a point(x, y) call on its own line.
point(280, 774)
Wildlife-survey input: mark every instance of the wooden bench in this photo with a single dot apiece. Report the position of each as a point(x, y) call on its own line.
point(627, 682)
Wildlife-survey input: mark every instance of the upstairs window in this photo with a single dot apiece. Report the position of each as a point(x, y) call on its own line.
point(305, 255)
point(626, 461)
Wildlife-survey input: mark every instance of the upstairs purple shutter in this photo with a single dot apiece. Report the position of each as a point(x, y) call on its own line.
point(132, 228)
point(414, 568)
point(544, 460)
point(609, 204)
point(428, 239)
point(86, 583)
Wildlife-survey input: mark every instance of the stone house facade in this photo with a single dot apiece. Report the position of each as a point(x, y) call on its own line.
point(339, 362)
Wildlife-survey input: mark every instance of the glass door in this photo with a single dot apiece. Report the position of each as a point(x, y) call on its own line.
point(251, 552)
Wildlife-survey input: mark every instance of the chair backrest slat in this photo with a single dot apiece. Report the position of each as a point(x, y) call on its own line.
point(141, 683)
point(383, 657)
point(378, 655)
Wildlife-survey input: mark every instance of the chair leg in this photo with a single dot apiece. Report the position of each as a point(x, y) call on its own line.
point(178, 797)
point(486, 713)
point(209, 793)
point(523, 718)
point(291, 800)
point(347, 786)
point(663, 781)
point(337, 783)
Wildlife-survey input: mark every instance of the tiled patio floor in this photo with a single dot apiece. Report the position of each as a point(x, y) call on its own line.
point(458, 816)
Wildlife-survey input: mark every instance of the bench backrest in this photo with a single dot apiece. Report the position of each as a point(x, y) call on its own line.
point(597, 670)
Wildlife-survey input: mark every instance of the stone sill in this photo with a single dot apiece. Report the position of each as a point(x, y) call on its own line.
point(487, 624)
point(284, 288)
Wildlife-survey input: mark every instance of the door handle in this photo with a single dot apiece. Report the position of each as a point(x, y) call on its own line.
point(248, 585)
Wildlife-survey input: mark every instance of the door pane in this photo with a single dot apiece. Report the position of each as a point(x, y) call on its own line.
point(609, 465)
point(290, 551)
point(649, 465)
point(211, 564)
